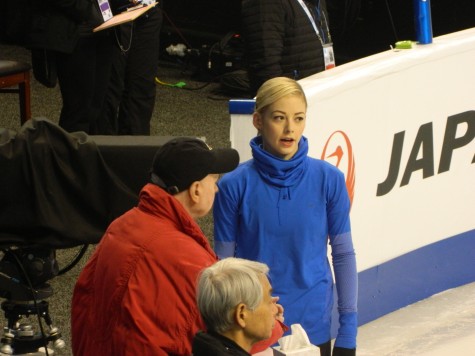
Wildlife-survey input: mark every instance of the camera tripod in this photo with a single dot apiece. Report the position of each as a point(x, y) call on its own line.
point(21, 302)
point(20, 338)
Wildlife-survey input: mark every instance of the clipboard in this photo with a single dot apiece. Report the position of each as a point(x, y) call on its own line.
point(124, 17)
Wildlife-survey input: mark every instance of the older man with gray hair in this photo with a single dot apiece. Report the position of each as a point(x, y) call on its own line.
point(235, 300)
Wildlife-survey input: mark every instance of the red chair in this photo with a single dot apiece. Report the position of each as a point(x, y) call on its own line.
point(17, 73)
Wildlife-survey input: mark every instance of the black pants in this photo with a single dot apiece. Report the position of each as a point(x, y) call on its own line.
point(325, 349)
point(83, 78)
point(130, 98)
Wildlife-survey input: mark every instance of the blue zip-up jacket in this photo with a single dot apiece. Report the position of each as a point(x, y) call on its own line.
point(283, 213)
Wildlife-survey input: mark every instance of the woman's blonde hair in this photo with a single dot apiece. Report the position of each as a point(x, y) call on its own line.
point(276, 88)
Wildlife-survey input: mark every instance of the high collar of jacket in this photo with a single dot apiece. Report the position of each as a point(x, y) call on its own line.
point(214, 344)
point(155, 201)
point(279, 172)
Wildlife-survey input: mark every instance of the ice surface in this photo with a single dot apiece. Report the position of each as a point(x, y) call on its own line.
point(443, 324)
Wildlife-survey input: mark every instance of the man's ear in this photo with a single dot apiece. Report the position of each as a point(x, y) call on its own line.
point(257, 121)
point(240, 315)
point(194, 192)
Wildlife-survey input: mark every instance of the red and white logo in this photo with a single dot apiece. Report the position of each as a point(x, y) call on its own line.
point(339, 152)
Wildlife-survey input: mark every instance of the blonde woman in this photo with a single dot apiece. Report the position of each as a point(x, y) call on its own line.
point(282, 208)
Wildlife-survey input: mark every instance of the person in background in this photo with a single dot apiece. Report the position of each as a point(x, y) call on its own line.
point(130, 98)
point(281, 208)
point(235, 299)
point(62, 32)
point(289, 38)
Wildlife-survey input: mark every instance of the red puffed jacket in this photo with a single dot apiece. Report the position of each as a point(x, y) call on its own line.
point(136, 295)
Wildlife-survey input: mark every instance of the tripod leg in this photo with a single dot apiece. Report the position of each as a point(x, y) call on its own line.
point(7, 341)
point(54, 334)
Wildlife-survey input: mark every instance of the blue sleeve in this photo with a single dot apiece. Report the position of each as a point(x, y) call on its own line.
point(344, 264)
point(346, 278)
point(225, 215)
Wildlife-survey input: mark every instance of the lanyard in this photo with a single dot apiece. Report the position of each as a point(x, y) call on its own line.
point(312, 21)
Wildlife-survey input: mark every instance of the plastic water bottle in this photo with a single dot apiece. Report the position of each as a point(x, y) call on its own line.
point(423, 21)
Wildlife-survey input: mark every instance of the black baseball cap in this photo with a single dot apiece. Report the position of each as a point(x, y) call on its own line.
point(184, 160)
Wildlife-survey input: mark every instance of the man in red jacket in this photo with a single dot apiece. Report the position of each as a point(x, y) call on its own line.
point(136, 295)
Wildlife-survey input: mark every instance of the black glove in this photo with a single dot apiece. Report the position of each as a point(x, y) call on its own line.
point(340, 351)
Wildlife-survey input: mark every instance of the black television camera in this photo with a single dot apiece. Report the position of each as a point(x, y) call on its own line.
point(58, 190)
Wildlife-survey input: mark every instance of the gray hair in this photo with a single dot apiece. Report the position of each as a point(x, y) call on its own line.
point(222, 286)
point(275, 89)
